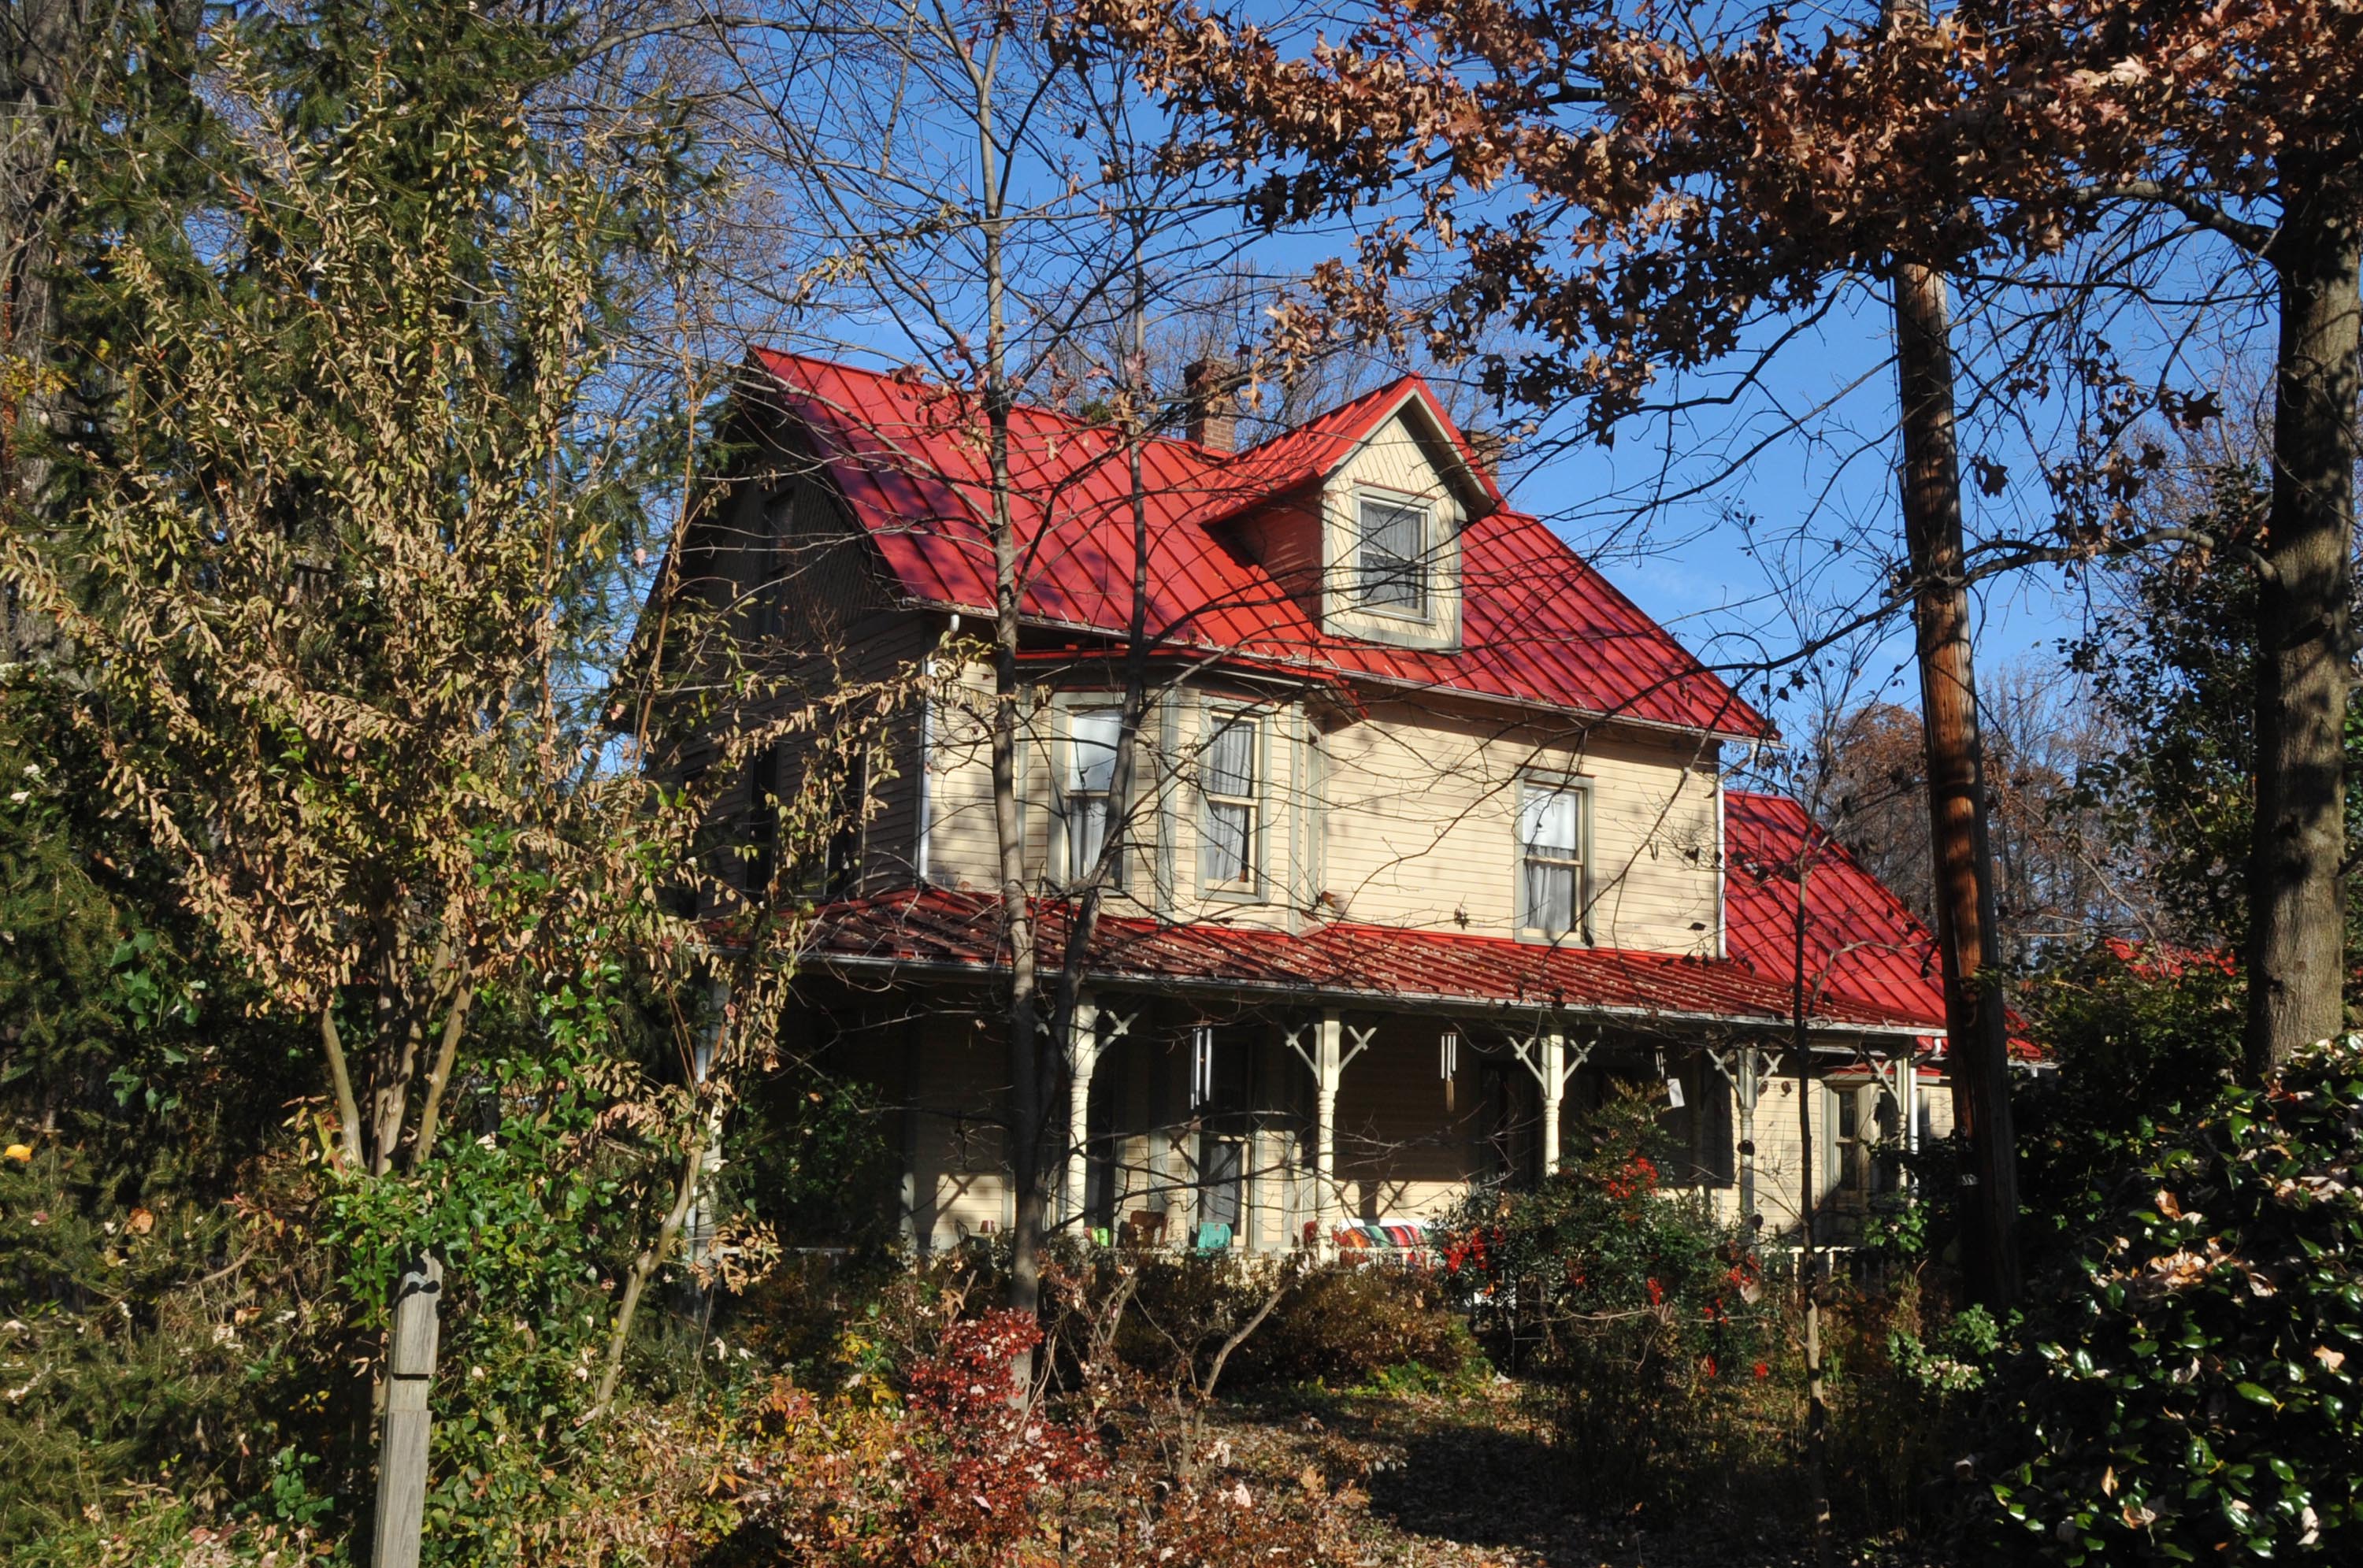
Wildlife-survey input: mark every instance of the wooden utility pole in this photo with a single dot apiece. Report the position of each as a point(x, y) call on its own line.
point(402, 1444)
point(1977, 1035)
point(1977, 1032)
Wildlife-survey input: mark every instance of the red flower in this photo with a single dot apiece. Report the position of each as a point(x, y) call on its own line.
point(1657, 1294)
point(1762, 1370)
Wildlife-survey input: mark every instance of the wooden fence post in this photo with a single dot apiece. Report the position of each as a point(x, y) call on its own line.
point(402, 1445)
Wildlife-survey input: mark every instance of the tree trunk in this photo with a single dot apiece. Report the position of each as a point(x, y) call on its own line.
point(1976, 1020)
point(1809, 1265)
point(1025, 1041)
point(1028, 1109)
point(2296, 902)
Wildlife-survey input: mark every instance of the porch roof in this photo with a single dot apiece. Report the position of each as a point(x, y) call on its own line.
point(936, 931)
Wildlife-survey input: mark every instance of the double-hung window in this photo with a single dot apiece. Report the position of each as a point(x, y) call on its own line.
point(1550, 851)
point(1093, 736)
point(1390, 555)
point(1228, 781)
point(1850, 1131)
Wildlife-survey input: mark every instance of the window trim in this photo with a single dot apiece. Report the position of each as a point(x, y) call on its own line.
point(1422, 564)
point(1846, 1187)
point(1249, 887)
point(1578, 785)
point(1065, 795)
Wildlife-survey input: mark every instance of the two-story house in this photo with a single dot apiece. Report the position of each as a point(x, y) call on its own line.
point(1431, 840)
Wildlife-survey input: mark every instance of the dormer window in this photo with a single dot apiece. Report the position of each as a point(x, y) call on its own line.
point(1391, 556)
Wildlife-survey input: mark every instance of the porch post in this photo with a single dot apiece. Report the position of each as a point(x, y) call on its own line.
point(1328, 1060)
point(1082, 1061)
point(1744, 1067)
point(1746, 1088)
point(1546, 1055)
point(1328, 1067)
point(1554, 1087)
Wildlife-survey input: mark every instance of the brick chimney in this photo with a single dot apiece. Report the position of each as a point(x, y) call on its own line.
point(1214, 418)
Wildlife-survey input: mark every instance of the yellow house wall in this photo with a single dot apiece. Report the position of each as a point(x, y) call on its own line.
point(1406, 818)
point(1419, 827)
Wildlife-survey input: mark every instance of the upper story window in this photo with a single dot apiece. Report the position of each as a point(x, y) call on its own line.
point(1093, 736)
point(1228, 781)
point(1550, 851)
point(1391, 556)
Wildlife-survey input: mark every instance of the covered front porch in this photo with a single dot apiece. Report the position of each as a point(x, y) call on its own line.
point(1258, 1089)
point(1215, 1122)
point(1227, 1125)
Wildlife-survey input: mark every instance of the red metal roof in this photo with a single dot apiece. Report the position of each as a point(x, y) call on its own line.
point(1539, 625)
point(1863, 948)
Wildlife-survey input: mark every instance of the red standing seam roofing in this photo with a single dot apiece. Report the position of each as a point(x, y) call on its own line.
point(1863, 947)
point(1870, 964)
point(936, 928)
point(1539, 625)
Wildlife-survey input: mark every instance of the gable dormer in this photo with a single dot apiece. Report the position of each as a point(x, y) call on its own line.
point(1368, 538)
point(1393, 512)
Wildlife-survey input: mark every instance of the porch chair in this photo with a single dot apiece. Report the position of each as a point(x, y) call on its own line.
point(1143, 1228)
point(1213, 1238)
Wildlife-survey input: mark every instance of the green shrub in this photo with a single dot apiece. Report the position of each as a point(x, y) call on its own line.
point(2167, 1023)
point(1647, 1317)
point(2194, 1393)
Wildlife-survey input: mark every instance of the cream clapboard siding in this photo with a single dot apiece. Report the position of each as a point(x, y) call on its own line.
point(816, 618)
point(963, 848)
point(1419, 822)
point(1407, 818)
point(959, 1165)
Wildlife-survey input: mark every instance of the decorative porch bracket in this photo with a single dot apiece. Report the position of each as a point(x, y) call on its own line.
point(1087, 1039)
point(1548, 1057)
point(1899, 1079)
point(1328, 1059)
point(1745, 1067)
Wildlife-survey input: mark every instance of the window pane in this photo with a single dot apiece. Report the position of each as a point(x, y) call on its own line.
point(1391, 566)
point(1228, 830)
point(1086, 833)
point(1091, 748)
point(1230, 760)
point(1550, 897)
point(1547, 822)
